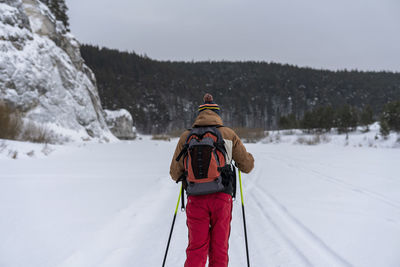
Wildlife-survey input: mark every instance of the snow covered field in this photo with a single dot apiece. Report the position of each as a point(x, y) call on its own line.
point(112, 205)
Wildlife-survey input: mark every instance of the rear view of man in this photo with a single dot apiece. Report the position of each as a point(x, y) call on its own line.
point(202, 161)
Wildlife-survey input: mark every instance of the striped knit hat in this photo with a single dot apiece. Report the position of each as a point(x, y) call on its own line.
point(209, 104)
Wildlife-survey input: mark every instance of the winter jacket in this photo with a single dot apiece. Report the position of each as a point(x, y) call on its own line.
point(244, 160)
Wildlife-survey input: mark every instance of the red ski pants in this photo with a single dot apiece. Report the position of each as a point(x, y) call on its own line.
point(208, 221)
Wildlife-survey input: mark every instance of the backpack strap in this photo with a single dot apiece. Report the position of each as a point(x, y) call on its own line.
point(199, 131)
point(234, 181)
point(184, 150)
point(220, 144)
point(183, 199)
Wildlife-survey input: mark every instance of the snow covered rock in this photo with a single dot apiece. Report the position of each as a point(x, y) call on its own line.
point(120, 123)
point(42, 73)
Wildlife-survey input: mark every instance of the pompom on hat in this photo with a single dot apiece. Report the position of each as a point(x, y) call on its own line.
point(208, 98)
point(209, 104)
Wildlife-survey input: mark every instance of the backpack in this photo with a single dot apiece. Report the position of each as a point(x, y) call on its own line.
point(205, 159)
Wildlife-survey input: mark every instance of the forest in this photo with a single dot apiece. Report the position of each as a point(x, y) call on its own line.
point(163, 96)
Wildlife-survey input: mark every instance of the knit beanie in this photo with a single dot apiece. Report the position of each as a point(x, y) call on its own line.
point(209, 104)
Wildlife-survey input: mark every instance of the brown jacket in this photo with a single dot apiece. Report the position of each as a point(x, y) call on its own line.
point(243, 159)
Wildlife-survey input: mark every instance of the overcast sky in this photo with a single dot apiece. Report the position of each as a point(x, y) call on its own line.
point(329, 34)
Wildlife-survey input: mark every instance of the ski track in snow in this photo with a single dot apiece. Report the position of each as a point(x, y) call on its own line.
point(294, 248)
point(292, 229)
point(340, 182)
point(286, 228)
point(115, 243)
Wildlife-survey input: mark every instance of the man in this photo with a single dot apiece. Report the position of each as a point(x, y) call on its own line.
point(209, 215)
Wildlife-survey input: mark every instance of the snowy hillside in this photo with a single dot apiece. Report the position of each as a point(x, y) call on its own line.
point(43, 74)
point(109, 205)
point(358, 138)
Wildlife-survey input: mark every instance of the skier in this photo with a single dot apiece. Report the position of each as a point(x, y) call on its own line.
point(209, 215)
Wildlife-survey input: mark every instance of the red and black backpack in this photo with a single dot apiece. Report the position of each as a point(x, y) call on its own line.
point(205, 161)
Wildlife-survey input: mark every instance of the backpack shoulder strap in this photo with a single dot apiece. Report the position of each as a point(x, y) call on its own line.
point(220, 144)
point(185, 146)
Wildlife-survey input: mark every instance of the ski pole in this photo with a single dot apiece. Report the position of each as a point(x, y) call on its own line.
point(244, 218)
point(172, 227)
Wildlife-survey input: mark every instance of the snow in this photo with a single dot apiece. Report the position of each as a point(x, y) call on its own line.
point(112, 205)
point(10, 32)
point(358, 138)
point(8, 13)
point(114, 114)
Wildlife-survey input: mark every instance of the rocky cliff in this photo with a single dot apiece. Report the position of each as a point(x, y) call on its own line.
point(42, 73)
point(120, 123)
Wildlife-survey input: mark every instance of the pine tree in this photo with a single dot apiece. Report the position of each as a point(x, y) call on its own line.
point(59, 10)
point(354, 118)
point(345, 119)
point(327, 120)
point(391, 116)
point(287, 122)
point(385, 130)
point(308, 122)
point(366, 117)
point(63, 13)
point(283, 123)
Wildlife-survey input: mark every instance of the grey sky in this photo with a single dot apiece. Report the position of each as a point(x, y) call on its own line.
point(333, 34)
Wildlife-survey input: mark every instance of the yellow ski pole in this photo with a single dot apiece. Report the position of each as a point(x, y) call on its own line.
point(244, 218)
point(172, 227)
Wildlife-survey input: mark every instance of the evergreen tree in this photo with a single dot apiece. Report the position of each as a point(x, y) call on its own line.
point(63, 13)
point(354, 118)
point(391, 116)
point(366, 117)
point(59, 10)
point(319, 119)
point(308, 121)
point(384, 129)
point(347, 119)
point(327, 118)
point(283, 123)
point(288, 122)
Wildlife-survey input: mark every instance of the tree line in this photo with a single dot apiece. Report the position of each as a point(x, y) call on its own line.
point(345, 119)
point(164, 95)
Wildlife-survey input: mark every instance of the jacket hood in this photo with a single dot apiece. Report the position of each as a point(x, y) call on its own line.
point(207, 117)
